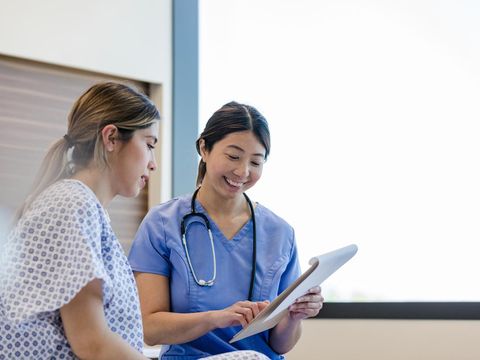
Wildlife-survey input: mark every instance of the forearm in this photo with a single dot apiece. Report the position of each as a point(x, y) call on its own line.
point(176, 328)
point(108, 346)
point(86, 328)
point(285, 335)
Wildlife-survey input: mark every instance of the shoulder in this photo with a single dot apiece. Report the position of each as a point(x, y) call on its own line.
point(67, 191)
point(66, 197)
point(171, 209)
point(272, 226)
point(157, 235)
point(270, 218)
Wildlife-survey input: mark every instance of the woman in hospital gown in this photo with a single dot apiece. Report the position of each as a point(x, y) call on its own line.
point(66, 288)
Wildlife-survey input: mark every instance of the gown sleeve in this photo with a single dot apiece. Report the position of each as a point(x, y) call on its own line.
point(53, 252)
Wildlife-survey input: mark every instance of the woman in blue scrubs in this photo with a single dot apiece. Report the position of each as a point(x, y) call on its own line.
point(195, 296)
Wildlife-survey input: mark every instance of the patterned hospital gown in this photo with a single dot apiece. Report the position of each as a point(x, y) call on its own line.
point(62, 243)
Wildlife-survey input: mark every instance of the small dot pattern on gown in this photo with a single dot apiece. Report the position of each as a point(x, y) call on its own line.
point(62, 242)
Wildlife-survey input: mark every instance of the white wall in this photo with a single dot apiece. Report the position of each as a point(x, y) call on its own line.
point(125, 38)
point(392, 340)
point(120, 37)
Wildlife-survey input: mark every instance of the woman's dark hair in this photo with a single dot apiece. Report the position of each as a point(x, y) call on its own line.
point(230, 118)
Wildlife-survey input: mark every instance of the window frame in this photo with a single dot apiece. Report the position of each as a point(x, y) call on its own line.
point(332, 310)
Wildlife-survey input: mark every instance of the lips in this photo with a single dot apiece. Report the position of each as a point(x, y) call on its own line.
point(234, 183)
point(144, 179)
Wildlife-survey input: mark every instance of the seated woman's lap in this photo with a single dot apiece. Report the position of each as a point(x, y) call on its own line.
point(239, 355)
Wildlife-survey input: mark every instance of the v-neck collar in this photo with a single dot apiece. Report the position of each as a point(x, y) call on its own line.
point(244, 231)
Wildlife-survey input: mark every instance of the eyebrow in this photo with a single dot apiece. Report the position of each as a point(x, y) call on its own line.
point(240, 149)
point(155, 139)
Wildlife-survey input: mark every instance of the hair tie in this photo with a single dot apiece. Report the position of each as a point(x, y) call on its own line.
point(69, 140)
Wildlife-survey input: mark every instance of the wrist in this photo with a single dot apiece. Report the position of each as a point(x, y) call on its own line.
point(211, 319)
point(291, 321)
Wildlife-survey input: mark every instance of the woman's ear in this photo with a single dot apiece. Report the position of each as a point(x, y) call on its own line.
point(203, 150)
point(109, 135)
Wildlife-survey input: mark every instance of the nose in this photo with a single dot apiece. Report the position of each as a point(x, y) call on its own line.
point(152, 164)
point(242, 170)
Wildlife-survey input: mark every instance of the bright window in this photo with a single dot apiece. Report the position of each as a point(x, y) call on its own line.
point(375, 123)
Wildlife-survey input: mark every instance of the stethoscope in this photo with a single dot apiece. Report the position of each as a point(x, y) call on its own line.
point(184, 229)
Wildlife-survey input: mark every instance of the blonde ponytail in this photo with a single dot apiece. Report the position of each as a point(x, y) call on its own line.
point(53, 168)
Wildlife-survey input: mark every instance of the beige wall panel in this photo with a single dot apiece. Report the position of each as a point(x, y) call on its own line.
point(388, 340)
point(34, 103)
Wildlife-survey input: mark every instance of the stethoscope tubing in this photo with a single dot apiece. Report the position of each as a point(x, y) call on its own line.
point(183, 229)
point(200, 282)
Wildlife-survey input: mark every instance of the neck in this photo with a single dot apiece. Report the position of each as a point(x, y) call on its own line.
point(98, 182)
point(219, 206)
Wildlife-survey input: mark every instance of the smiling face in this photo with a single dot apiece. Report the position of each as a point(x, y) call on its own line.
point(133, 161)
point(234, 164)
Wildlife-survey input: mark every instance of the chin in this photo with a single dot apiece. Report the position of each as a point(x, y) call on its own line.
point(131, 193)
point(231, 193)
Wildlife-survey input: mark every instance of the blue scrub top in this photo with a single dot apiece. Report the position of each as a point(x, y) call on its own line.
point(158, 249)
